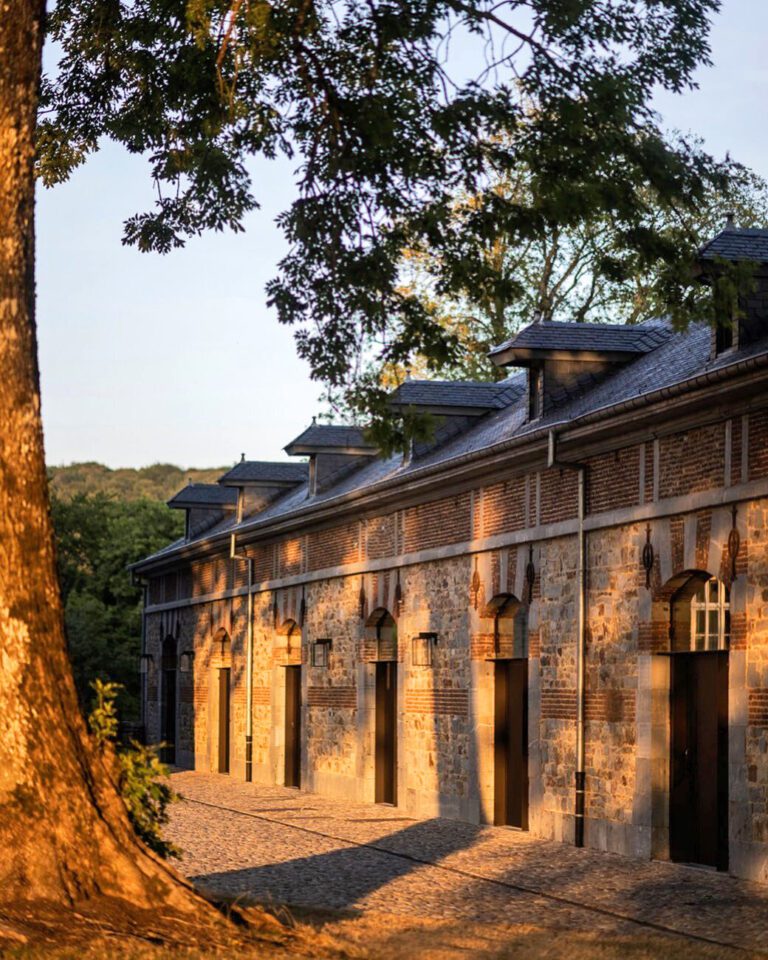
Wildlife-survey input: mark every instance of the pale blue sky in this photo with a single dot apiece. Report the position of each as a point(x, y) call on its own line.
point(147, 358)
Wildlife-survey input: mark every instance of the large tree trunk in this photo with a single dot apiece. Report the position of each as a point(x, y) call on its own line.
point(64, 834)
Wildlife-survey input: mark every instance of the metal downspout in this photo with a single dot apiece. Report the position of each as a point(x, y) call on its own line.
point(234, 555)
point(581, 638)
point(578, 828)
point(249, 679)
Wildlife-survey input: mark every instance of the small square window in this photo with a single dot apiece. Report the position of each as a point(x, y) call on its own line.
point(421, 649)
point(321, 652)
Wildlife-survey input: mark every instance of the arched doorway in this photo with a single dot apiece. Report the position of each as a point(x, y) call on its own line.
point(699, 636)
point(292, 775)
point(223, 653)
point(381, 629)
point(168, 701)
point(510, 728)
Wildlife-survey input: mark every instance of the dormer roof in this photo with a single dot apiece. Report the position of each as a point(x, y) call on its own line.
point(264, 473)
point(737, 243)
point(455, 397)
point(601, 342)
point(331, 438)
point(204, 496)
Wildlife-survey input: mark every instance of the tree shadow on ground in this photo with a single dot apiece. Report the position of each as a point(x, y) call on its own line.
point(339, 879)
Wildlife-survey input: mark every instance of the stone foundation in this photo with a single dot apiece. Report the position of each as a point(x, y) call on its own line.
point(445, 720)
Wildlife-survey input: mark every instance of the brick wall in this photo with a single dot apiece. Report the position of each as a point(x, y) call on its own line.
point(614, 480)
point(334, 547)
point(610, 706)
point(437, 523)
point(558, 495)
point(503, 507)
point(380, 537)
point(758, 707)
point(736, 441)
point(758, 444)
point(558, 703)
point(289, 557)
point(692, 461)
point(648, 468)
point(202, 578)
point(263, 562)
point(434, 701)
point(337, 697)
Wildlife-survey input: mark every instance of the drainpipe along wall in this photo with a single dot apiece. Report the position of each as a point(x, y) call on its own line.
point(581, 640)
point(248, 662)
point(249, 678)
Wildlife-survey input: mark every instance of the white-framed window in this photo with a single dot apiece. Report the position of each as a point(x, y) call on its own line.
point(710, 616)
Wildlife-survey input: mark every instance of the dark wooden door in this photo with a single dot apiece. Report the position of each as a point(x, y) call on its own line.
point(168, 716)
point(698, 807)
point(510, 741)
point(386, 733)
point(293, 726)
point(224, 720)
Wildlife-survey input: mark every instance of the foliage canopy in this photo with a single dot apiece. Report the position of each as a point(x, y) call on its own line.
point(96, 538)
point(386, 127)
point(558, 276)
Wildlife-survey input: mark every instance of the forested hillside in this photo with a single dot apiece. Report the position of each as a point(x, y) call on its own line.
point(157, 482)
point(105, 520)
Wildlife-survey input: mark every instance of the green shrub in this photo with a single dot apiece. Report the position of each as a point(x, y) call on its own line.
point(141, 776)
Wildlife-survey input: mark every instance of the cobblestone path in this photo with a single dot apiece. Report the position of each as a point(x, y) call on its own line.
point(272, 844)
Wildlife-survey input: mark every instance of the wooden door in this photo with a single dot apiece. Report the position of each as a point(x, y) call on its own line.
point(698, 799)
point(386, 733)
point(224, 674)
point(168, 716)
point(511, 743)
point(293, 726)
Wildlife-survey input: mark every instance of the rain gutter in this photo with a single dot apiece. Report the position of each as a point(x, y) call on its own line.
point(465, 465)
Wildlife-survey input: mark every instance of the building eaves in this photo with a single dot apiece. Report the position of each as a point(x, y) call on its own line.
point(264, 472)
point(204, 495)
point(463, 395)
point(603, 340)
point(737, 243)
point(330, 438)
point(681, 366)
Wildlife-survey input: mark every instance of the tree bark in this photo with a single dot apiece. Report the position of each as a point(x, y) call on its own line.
point(64, 833)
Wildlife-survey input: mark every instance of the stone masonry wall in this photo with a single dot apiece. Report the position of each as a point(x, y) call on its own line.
point(445, 715)
point(331, 692)
point(436, 750)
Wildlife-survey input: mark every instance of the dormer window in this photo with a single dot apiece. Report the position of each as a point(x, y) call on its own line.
point(724, 338)
point(565, 359)
point(535, 383)
point(333, 451)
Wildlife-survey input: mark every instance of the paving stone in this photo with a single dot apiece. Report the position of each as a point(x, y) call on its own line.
point(280, 845)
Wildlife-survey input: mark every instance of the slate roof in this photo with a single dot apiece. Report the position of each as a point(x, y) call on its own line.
point(738, 243)
point(320, 436)
point(469, 394)
point(678, 357)
point(262, 471)
point(204, 495)
point(557, 336)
